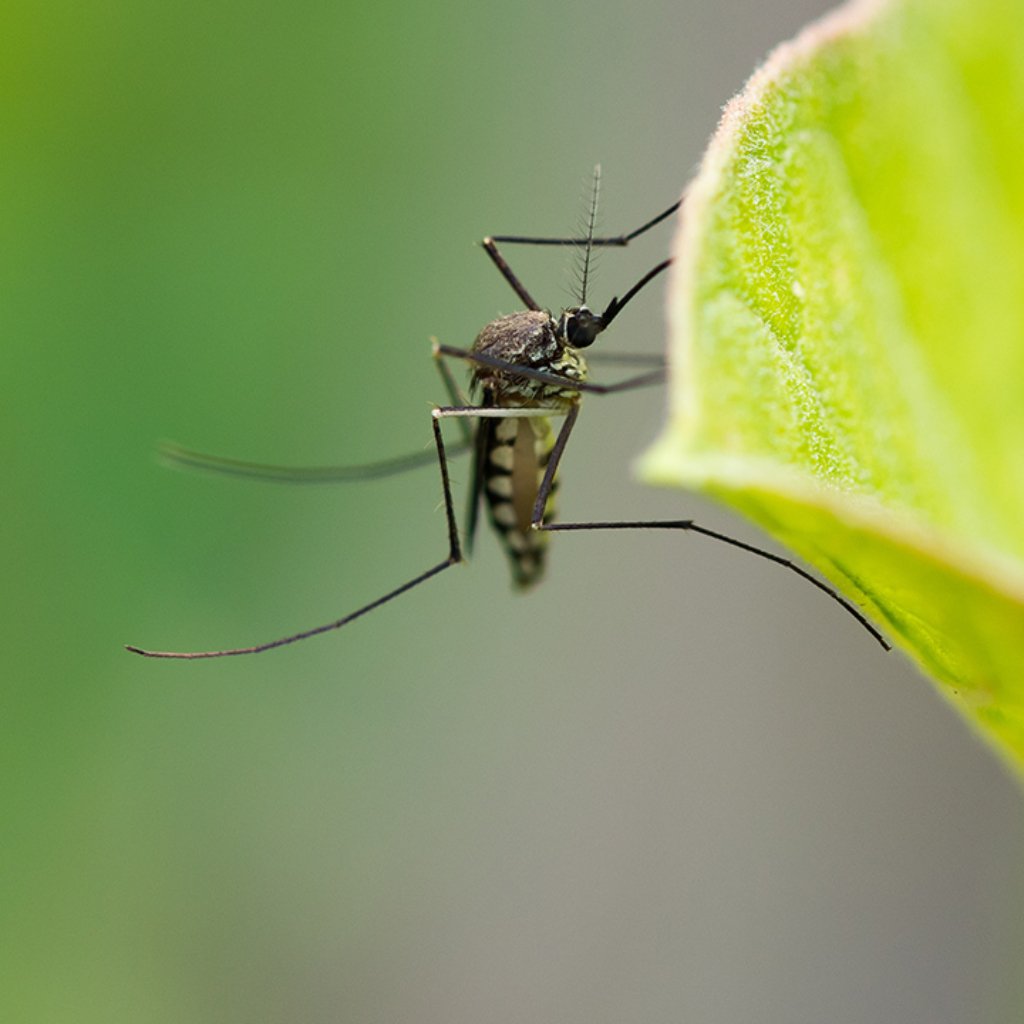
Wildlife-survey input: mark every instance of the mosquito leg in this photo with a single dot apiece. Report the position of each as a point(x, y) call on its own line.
point(548, 481)
point(454, 556)
point(615, 240)
point(614, 307)
point(626, 239)
point(219, 464)
point(627, 358)
point(688, 524)
point(499, 412)
point(537, 521)
point(506, 272)
point(490, 244)
point(455, 393)
point(642, 380)
point(486, 412)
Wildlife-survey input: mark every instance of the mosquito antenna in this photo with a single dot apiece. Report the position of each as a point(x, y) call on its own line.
point(588, 248)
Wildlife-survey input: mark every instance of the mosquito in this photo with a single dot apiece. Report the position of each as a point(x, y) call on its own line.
point(526, 369)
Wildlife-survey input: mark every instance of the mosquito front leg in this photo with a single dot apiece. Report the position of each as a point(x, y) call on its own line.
point(490, 244)
point(562, 383)
point(506, 272)
point(611, 240)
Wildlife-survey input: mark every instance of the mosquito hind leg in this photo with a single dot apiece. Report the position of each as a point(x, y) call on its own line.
point(537, 522)
point(454, 556)
point(189, 458)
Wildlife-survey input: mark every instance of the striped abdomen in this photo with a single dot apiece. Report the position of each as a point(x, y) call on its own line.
point(513, 458)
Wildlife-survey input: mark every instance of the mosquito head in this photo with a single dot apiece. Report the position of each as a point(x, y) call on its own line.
point(579, 326)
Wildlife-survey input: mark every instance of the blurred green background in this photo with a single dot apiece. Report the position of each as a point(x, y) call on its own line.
point(671, 784)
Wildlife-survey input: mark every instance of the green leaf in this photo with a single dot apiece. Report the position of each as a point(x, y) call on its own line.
point(847, 329)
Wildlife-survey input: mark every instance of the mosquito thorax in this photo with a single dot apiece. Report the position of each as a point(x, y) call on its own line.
point(534, 339)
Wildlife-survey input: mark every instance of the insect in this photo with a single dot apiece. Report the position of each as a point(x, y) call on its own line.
point(527, 369)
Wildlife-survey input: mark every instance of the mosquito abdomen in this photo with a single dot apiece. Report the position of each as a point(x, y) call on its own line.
point(517, 455)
